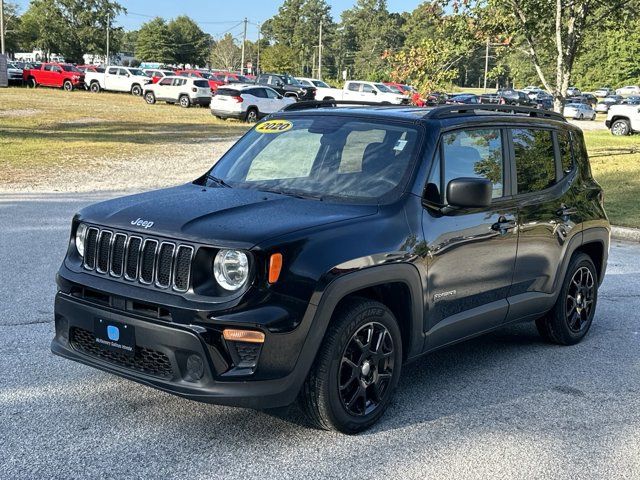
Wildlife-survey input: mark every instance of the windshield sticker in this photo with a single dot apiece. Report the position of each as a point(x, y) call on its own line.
point(400, 144)
point(274, 126)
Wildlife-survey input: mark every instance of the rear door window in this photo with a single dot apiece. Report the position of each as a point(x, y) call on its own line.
point(535, 159)
point(474, 153)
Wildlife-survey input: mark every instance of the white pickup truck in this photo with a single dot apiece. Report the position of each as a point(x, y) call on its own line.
point(356, 90)
point(623, 119)
point(117, 79)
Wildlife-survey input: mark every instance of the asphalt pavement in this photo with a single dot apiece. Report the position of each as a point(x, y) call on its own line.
point(505, 405)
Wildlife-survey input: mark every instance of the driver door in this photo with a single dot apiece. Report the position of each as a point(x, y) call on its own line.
point(470, 252)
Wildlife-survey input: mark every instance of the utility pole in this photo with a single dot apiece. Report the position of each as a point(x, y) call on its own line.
point(2, 27)
point(486, 64)
point(257, 72)
point(108, 25)
point(320, 53)
point(244, 40)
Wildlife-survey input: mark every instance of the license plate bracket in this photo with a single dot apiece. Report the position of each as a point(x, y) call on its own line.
point(115, 336)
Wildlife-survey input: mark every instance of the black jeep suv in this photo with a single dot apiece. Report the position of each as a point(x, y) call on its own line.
point(287, 86)
point(330, 246)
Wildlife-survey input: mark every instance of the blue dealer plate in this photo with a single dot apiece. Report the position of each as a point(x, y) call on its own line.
point(115, 336)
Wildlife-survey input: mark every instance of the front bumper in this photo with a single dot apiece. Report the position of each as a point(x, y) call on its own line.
point(162, 357)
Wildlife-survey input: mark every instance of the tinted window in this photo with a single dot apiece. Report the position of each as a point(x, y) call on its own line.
point(367, 88)
point(47, 68)
point(564, 142)
point(112, 71)
point(166, 81)
point(258, 92)
point(227, 92)
point(201, 83)
point(354, 87)
point(474, 153)
point(271, 93)
point(535, 162)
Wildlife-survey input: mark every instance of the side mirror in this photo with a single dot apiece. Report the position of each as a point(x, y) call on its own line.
point(469, 192)
point(375, 92)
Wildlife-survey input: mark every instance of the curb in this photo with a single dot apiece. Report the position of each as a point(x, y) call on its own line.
point(624, 233)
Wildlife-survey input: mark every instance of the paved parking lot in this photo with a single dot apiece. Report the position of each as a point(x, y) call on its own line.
point(502, 406)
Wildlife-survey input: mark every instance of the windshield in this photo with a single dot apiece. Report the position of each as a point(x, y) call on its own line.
point(70, 68)
point(320, 83)
point(394, 89)
point(321, 156)
point(382, 87)
point(137, 71)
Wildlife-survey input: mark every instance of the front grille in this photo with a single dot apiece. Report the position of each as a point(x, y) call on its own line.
point(147, 261)
point(145, 360)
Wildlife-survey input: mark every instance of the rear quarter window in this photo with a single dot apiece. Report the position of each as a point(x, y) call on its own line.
point(201, 83)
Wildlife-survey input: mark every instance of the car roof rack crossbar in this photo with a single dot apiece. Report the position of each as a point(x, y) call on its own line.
point(308, 104)
point(456, 110)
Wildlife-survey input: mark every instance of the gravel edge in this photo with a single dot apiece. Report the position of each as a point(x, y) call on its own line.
point(625, 233)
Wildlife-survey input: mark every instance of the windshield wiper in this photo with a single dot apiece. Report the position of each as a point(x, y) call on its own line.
point(289, 193)
point(219, 181)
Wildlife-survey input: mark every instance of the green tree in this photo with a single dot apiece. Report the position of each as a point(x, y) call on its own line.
point(225, 53)
point(191, 43)
point(279, 59)
point(155, 43)
point(70, 27)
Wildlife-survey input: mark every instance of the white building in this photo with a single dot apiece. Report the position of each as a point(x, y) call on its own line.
point(38, 56)
point(116, 58)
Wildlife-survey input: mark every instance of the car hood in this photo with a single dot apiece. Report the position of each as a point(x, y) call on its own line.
point(232, 217)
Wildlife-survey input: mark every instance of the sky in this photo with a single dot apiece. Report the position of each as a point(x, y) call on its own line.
point(219, 16)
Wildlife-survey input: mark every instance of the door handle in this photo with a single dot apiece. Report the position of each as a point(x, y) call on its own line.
point(503, 225)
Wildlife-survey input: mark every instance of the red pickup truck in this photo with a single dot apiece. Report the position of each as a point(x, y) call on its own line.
point(61, 75)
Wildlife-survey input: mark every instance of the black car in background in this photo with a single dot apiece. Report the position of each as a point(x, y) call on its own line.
point(462, 99)
point(287, 86)
point(330, 246)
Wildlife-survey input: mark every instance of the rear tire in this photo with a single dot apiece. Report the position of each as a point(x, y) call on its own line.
point(252, 115)
point(150, 98)
point(94, 87)
point(356, 369)
point(136, 90)
point(67, 86)
point(570, 318)
point(621, 128)
point(184, 101)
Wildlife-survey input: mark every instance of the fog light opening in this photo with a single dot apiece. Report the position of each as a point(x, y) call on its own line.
point(195, 368)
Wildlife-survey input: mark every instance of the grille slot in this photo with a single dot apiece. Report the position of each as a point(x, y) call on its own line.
point(117, 254)
point(165, 264)
point(147, 261)
point(104, 248)
point(182, 271)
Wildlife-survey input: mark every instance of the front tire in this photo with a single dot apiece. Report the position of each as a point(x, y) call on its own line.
point(136, 90)
point(621, 128)
point(571, 317)
point(356, 370)
point(150, 98)
point(67, 86)
point(31, 83)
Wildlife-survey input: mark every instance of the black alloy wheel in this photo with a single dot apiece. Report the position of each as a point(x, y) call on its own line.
point(366, 369)
point(580, 299)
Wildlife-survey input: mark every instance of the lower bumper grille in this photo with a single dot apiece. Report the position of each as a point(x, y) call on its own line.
point(145, 360)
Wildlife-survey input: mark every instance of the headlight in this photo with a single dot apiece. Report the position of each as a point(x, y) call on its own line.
point(231, 269)
point(81, 234)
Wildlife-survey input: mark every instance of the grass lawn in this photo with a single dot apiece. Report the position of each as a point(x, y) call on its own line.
point(51, 128)
point(48, 130)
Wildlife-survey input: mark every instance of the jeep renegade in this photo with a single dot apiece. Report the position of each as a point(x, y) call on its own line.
point(330, 246)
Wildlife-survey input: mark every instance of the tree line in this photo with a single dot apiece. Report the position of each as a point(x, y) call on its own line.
point(552, 43)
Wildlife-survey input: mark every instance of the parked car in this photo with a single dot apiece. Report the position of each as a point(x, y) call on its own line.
point(323, 90)
point(604, 104)
point(232, 77)
point(156, 74)
point(214, 80)
point(371, 92)
point(628, 90)
point(14, 73)
point(509, 96)
point(543, 101)
point(436, 98)
point(247, 102)
point(118, 79)
point(623, 119)
point(632, 100)
point(533, 92)
point(586, 98)
point(322, 252)
point(287, 86)
point(61, 75)
point(181, 90)
point(579, 111)
point(604, 92)
point(573, 92)
point(90, 68)
point(464, 99)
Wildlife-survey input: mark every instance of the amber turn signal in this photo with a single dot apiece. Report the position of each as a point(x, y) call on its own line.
point(249, 336)
point(275, 265)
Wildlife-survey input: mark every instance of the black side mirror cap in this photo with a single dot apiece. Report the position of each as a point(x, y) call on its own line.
point(466, 192)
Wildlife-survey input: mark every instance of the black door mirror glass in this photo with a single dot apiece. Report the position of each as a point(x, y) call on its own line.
point(469, 192)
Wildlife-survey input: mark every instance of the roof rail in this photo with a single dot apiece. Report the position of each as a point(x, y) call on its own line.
point(331, 103)
point(449, 111)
